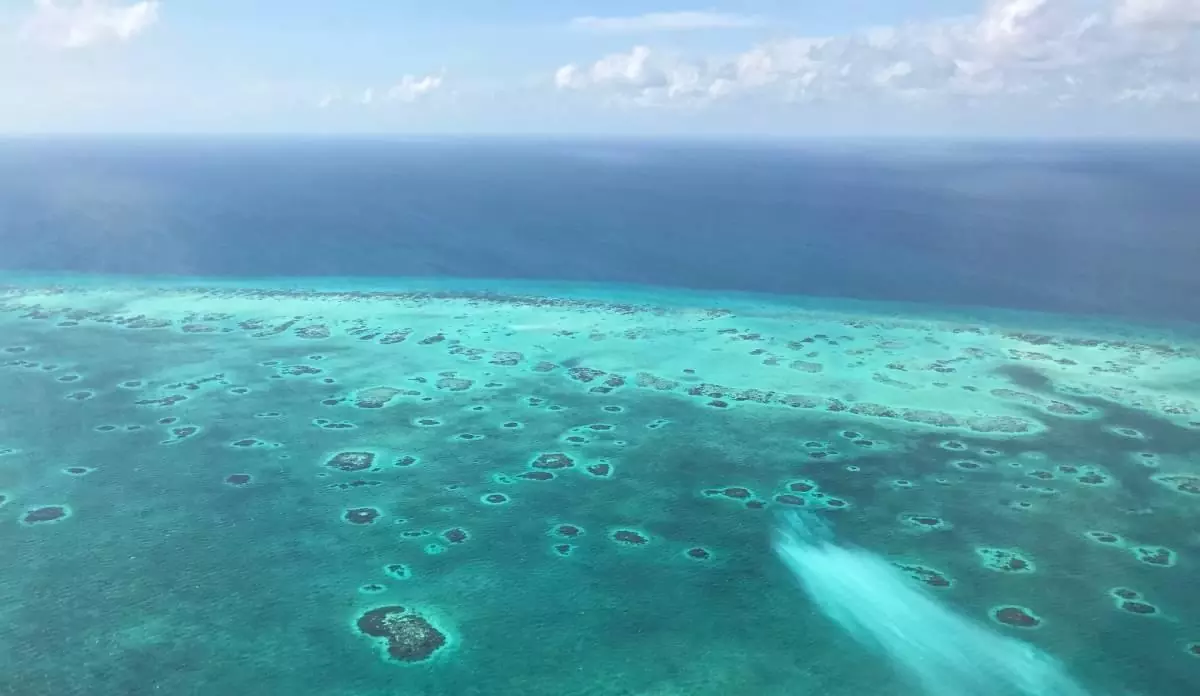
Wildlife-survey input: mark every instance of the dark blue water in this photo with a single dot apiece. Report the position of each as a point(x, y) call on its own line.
point(1083, 228)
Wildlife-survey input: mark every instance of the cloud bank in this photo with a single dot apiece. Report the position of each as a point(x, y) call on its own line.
point(1047, 52)
point(73, 25)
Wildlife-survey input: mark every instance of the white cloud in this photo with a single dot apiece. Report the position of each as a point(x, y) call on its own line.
point(82, 23)
point(408, 90)
point(1042, 52)
point(1166, 13)
point(411, 88)
point(665, 21)
point(640, 76)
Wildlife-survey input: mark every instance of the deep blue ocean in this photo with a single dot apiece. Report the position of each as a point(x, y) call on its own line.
point(1079, 228)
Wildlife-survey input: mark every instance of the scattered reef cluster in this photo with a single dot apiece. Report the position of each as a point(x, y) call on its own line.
point(1034, 478)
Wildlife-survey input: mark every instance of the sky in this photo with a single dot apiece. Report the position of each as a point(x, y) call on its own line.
point(857, 68)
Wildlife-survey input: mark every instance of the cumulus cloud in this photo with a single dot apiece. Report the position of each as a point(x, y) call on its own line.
point(640, 76)
point(665, 21)
point(81, 23)
point(1040, 51)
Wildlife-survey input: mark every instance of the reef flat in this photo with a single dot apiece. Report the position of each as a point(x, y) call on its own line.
point(506, 488)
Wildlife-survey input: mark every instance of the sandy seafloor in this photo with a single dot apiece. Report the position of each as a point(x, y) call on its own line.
point(1002, 458)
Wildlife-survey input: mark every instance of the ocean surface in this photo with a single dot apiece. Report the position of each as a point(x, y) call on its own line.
point(598, 418)
point(1076, 228)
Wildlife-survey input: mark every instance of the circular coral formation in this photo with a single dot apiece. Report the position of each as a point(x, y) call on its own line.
point(105, 428)
point(434, 549)
point(1128, 432)
point(952, 445)
point(698, 553)
point(427, 422)
point(1100, 537)
point(1004, 560)
point(755, 505)
point(966, 464)
point(1183, 483)
point(802, 486)
point(495, 498)
point(789, 499)
point(599, 470)
point(184, 431)
point(552, 460)
point(469, 436)
point(361, 515)
point(237, 479)
point(613, 409)
point(1134, 606)
point(456, 535)
point(1124, 593)
point(1155, 555)
point(78, 470)
point(397, 571)
point(563, 549)
point(568, 531)
point(736, 493)
point(372, 588)
point(351, 461)
point(1192, 649)
point(925, 574)
point(405, 460)
point(1017, 617)
point(536, 476)
point(629, 537)
point(45, 513)
point(408, 637)
point(924, 522)
point(511, 425)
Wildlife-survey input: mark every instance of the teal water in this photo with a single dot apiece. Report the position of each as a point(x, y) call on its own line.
point(488, 487)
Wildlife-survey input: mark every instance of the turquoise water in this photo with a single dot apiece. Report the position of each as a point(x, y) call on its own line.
point(489, 487)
